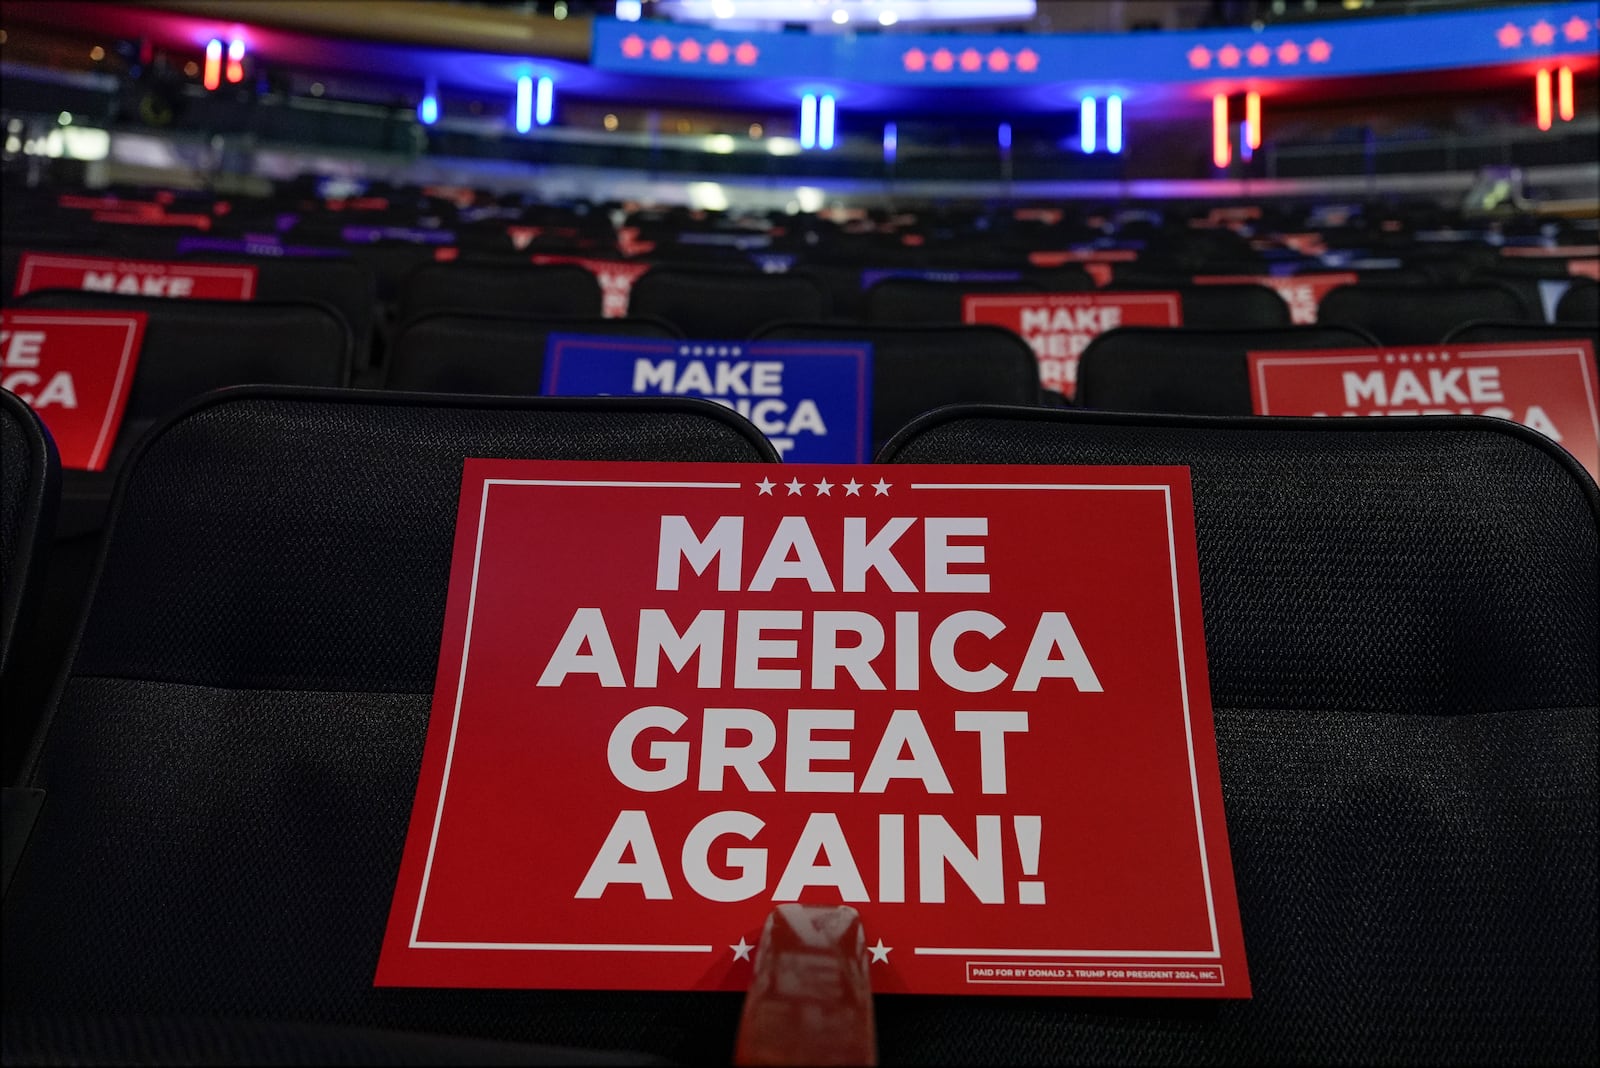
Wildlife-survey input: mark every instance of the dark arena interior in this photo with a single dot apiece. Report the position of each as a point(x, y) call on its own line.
point(786, 532)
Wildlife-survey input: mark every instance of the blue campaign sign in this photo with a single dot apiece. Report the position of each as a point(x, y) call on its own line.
point(812, 399)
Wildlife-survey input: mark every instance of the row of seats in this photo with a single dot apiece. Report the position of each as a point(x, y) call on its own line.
point(1401, 624)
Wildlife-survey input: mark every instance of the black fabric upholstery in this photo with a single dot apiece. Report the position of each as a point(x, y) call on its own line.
point(191, 347)
point(922, 301)
point(344, 285)
point(30, 487)
point(1403, 629)
point(706, 303)
point(1189, 369)
point(230, 764)
point(1580, 303)
point(469, 288)
point(453, 353)
point(185, 1041)
point(1420, 314)
point(1234, 307)
point(1482, 331)
point(194, 346)
point(919, 368)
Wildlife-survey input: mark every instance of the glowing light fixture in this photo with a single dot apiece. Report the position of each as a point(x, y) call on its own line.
point(236, 61)
point(1541, 99)
point(428, 108)
point(629, 10)
point(891, 141)
point(1005, 137)
point(840, 16)
point(1086, 124)
point(213, 76)
point(887, 17)
point(524, 104)
point(825, 122)
point(808, 121)
point(1221, 150)
point(544, 106)
point(1252, 120)
point(1246, 153)
point(1113, 124)
point(1564, 106)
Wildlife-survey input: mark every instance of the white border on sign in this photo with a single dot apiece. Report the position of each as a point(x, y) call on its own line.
point(1214, 952)
point(117, 388)
point(1261, 369)
point(245, 274)
point(1572, 349)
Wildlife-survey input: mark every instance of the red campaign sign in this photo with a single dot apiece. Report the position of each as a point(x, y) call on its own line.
point(1549, 386)
point(1060, 326)
point(825, 684)
point(74, 369)
point(616, 279)
point(1302, 292)
point(141, 278)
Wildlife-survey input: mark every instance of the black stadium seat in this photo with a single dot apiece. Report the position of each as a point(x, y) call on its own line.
point(1487, 331)
point(192, 346)
point(1580, 303)
point(450, 353)
point(345, 285)
point(1401, 627)
point(706, 303)
point(1420, 314)
point(557, 289)
point(917, 301)
point(30, 488)
point(232, 757)
point(918, 368)
point(1188, 369)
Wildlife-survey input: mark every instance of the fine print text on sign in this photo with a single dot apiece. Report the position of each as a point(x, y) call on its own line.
point(140, 278)
point(812, 399)
point(74, 369)
point(671, 696)
point(1060, 326)
point(1549, 386)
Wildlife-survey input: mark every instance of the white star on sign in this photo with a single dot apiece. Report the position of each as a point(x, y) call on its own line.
point(880, 952)
point(852, 488)
point(824, 488)
point(795, 487)
point(742, 950)
point(765, 486)
point(881, 488)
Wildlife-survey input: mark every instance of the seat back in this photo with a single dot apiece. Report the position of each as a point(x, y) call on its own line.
point(1401, 624)
point(1189, 369)
point(556, 290)
point(1580, 303)
point(918, 368)
point(726, 304)
point(1499, 331)
point(193, 346)
point(1420, 314)
point(231, 758)
point(346, 286)
point(30, 488)
point(451, 353)
point(922, 301)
